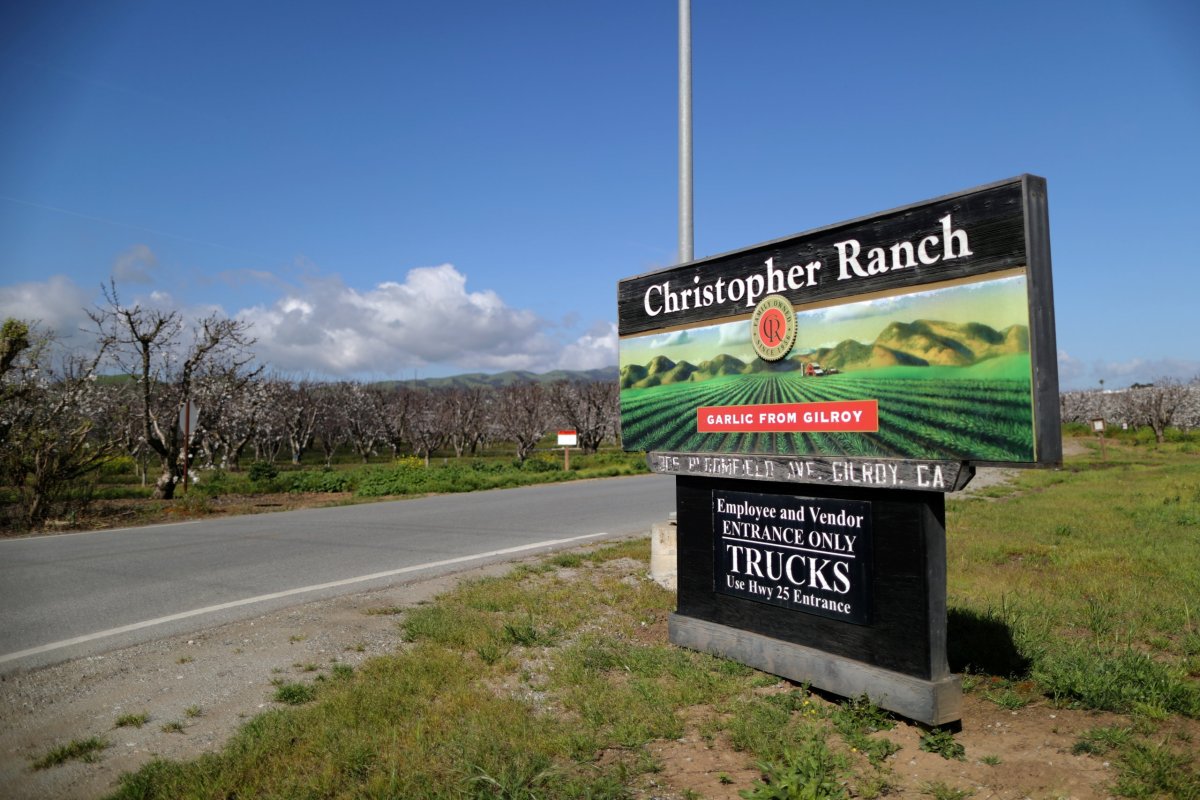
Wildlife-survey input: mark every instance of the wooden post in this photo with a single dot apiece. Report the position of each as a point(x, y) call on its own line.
point(1098, 426)
point(566, 440)
point(187, 437)
point(186, 413)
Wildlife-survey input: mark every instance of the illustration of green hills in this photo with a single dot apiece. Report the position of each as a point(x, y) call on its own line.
point(968, 349)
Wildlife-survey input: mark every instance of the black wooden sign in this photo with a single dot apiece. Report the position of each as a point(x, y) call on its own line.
point(921, 334)
point(810, 554)
point(889, 639)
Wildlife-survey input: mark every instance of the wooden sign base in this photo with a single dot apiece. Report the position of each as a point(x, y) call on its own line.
point(893, 650)
point(934, 702)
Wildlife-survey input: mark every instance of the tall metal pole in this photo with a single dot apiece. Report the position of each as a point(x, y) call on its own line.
point(686, 237)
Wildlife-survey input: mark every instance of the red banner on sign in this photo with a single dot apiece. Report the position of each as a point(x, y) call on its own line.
point(854, 416)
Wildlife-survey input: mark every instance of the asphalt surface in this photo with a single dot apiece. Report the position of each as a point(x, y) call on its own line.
point(75, 595)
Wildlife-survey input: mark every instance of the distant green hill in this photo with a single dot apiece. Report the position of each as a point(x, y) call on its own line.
point(662, 371)
point(1000, 368)
point(502, 379)
point(468, 380)
point(933, 343)
point(922, 348)
point(722, 365)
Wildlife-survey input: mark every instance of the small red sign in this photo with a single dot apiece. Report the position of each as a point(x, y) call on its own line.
point(852, 416)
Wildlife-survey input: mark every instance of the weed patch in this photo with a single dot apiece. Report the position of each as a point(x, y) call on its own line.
point(1156, 770)
point(1099, 741)
point(1124, 681)
point(942, 742)
point(939, 790)
point(86, 750)
point(295, 694)
point(811, 772)
point(856, 719)
point(132, 720)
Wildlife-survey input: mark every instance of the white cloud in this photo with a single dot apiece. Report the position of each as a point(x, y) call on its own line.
point(864, 309)
point(1076, 374)
point(593, 350)
point(429, 319)
point(430, 322)
point(732, 334)
point(1144, 370)
point(1072, 373)
point(58, 305)
point(135, 265)
point(676, 339)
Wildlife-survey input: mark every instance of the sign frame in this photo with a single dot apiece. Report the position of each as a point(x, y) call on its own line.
point(1008, 227)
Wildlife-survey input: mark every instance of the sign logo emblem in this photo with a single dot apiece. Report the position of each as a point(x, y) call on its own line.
point(773, 328)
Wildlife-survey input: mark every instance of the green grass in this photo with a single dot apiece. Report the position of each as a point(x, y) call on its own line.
point(856, 720)
point(410, 476)
point(132, 720)
point(295, 694)
point(572, 680)
point(939, 790)
point(86, 750)
point(384, 476)
point(1099, 741)
point(1120, 535)
point(544, 682)
point(812, 772)
point(942, 742)
point(1158, 769)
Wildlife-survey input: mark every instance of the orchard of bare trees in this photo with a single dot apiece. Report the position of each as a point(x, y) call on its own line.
point(1166, 403)
point(63, 416)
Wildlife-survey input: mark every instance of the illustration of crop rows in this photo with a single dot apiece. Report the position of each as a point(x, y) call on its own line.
point(926, 419)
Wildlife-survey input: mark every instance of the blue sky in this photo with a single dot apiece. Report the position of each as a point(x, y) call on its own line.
point(399, 189)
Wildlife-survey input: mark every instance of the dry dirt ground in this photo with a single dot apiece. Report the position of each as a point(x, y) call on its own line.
point(196, 690)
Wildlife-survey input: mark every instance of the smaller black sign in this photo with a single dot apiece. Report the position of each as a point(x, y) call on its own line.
point(810, 554)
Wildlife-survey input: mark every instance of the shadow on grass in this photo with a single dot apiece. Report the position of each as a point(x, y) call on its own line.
point(982, 643)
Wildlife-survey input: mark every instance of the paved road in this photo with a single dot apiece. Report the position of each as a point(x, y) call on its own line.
point(72, 595)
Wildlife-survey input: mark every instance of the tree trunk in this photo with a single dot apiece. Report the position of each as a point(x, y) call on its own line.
point(164, 487)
